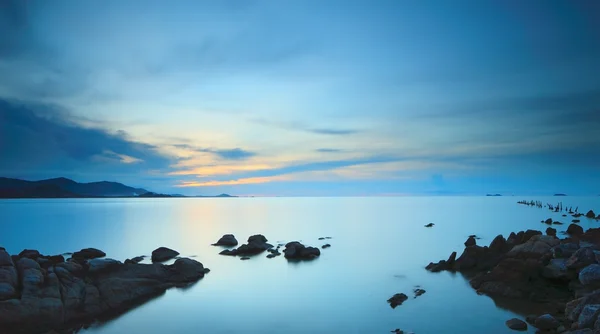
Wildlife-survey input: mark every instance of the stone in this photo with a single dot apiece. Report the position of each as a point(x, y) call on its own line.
point(564, 250)
point(590, 214)
point(470, 242)
point(96, 266)
point(551, 231)
point(574, 230)
point(245, 258)
point(548, 221)
point(418, 292)
point(228, 240)
point(30, 254)
point(588, 316)
point(296, 250)
point(546, 322)
point(162, 254)
point(557, 270)
point(516, 324)
point(583, 257)
point(326, 246)
point(590, 275)
point(397, 300)
point(88, 254)
point(536, 246)
point(429, 225)
point(190, 270)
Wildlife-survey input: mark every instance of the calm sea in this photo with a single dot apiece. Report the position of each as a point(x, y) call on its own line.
point(379, 248)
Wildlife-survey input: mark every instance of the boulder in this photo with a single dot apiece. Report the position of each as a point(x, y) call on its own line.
point(574, 230)
point(588, 316)
point(256, 244)
point(96, 266)
point(535, 247)
point(590, 214)
point(87, 254)
point(397, 300)
point(557, 270)
point(257, 238)
point(30, 253)
point(551, 232)
point(546, 322)
point(429, 225)
point(418, 292)
point(564, 250)
point(590, 275)
point(470, 241)
point(583, 257)
point(297, 251)
point(548, 221)
point(188, 269)
point(227, 240)
point(162, 254)
point(516, 324)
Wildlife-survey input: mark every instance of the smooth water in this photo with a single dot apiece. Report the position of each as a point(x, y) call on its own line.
point(379, 248)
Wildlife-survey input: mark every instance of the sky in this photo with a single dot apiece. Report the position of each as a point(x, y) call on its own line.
point(304, 97)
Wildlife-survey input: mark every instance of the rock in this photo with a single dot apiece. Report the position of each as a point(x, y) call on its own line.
point(162, 254)
point(516, 324)
point(88, 254)
point(548, 221)
point(557, 270)
point(296, 250)
point(564, 250)
point(321, 238)
point(226, 240)
point(135, 260)
point(588, 316)
point(470, 242)
point(30, 254)
point(418, 292)
point(74, 294)
point(96, 266)
point(590, 275)
point(498, 244)
point(326, 246)
point(245, 258)
point(556, 223)
point(575, 221)
point(398, 331)
point(583, 257)
point(429, 225)
point(228, 252)
point(534, 247)
point(270, 256)
point(574, 230)
point(551, 231)
point(256, 244)
point(546, 322)
point(258, 238)
point(590, 214)
point(397, 299)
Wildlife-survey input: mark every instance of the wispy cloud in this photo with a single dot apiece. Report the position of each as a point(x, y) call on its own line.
point(328, 150)
point(298, 126)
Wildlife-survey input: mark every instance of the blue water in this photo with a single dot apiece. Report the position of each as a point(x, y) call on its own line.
point(379, 248)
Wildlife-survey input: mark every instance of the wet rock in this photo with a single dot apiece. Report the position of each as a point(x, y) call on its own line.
point(590, 275)
point(321, 238)
point(548, 221)
point(96, 266)
point(245, 258)
point(588, 316)
point(590, 214)
point(429, 225)
point(326, 246)
point(418, 292)
point(30, 254)
point(576, 221)
point(135, 260)
point(397, 300)
point(583, 257)
point(228, 240)
point(470, 241)
point(256, 244)
point(546, 322)
point(163, 254)
point(296, 250)
point(87, 254)
point(534, 247)
point(516, 324)
point(557, 270)
point(551, 231)
point(556, 223)
point(270, 256)
point(574, 230)
point(564, 250)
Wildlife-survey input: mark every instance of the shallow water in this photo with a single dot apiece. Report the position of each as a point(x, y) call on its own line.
point(379, 248)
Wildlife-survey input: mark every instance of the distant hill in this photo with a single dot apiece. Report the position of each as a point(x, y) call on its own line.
point(64, 188)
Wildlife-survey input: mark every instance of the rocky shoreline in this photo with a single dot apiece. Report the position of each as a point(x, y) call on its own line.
point(41, 293)
point(561, 277)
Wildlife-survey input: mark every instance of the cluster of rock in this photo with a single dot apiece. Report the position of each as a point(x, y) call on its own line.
point(39, 292)
point(561, 275)
point(258, 243)
point(399, 298)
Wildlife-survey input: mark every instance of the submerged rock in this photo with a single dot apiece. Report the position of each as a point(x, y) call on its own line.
point(228, 240)
point(163, 254)
point(296, 250)
point(397, 300)
point(516, 324)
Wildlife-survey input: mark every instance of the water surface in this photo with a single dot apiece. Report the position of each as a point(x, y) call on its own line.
point(379, 248)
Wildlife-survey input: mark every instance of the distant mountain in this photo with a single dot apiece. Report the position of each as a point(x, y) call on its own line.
point(64, 188)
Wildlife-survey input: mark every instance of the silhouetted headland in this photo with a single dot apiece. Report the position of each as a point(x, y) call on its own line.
point(65, 188)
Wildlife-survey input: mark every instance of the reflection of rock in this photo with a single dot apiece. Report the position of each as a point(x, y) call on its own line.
point(162, 254)
point(37, 295)
point(397, 299)
point(296, 250)
point(226, 240)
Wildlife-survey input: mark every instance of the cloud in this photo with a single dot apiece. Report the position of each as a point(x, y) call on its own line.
point(297, 126)
point(42, 140)
point(328, 150)
point(225, 154)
